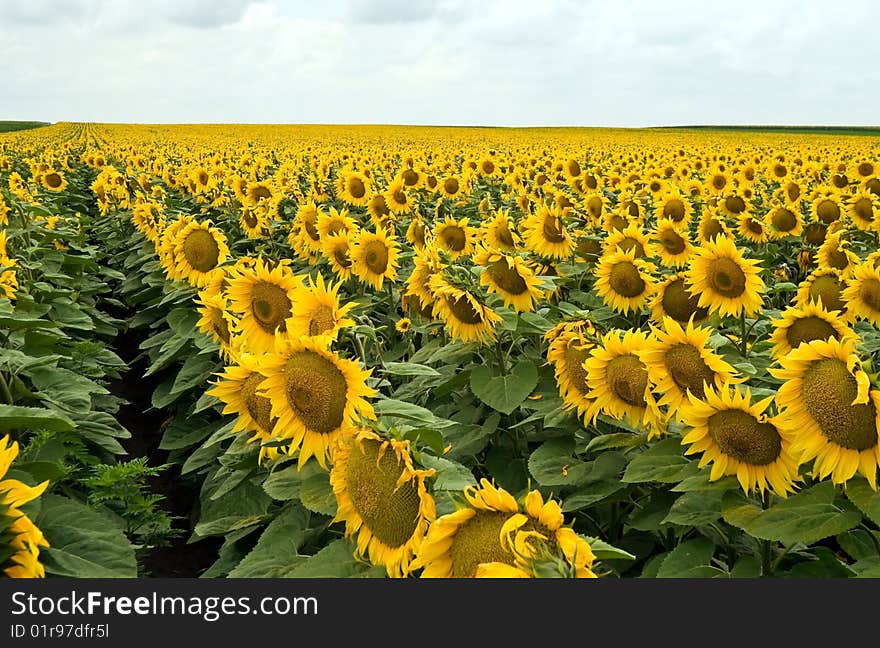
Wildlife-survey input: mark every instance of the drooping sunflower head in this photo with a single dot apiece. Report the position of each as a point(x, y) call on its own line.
point(830, 408)
point(466, 317)
point(618, 381)
point(316, 395)
point(680, 363)
point(724, 280)
point(509, 276)
point(374, 258)
point(458, 543)
point(737, 438)
point(382, 498)
point(803, 324)
point(674, 299)
point(623, 282)
point(263, 298)
point(20, 539)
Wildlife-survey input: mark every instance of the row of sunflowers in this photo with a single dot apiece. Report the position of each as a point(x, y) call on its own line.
point(477, 352)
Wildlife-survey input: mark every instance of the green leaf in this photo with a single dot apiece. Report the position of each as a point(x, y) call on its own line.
point(275, 553)
point(860, 493)
point(283, 484)
point(824, 565)
point(336, 560)
point(554, 464)
point(390, 409)
point(317, 494)
point(867, 567)
point(450, 475)
point(695, 508)
point(590, 494)
point(504, 393)
point(240, 508)
point(615, 440)
point(662, 462)
point(807, 517)
point(690, 559)
point(33, 418)
point(746, 567)
point(604, 551)
point(195, 373)
point(83, 543)
point(408, 369)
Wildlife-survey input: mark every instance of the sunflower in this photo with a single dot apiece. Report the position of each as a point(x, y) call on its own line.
point(815, 233)
point(253, 222)
point(673, 299)
point(336, 249)
point(374, 258)
point(539, 528)
point(826, 209)
point(336, 222)
point(403, 325)
point(316, 310)
point(711, 226)
point(826, 286)
point(236, 387)
point(862, 294)
point(263, 297)
point(671, 244)
point(679, 363)
point(833, 253)
point(618, 381)
point(426, 264)
point(416, 232)
point(733, 205)
point(455, 237)
point(863, 208)
point(802, 324)
point(569, 347)
point(724, 280)
point(864, 169)
point(737, 438)
point(200, 248)
point(354, 188)
point(623, 282)
point(499, 232)
point(674, 207)
point(830, 409)
point(784, 221)
point(258, 192)
point(378, 210)
point(545, 234)
point(216, 321)
point(54, 181)
point(396, 198)
point(382, 499)
point(509, 276)
point(466, 317)
point(716, 183)
point(753, 228)
point(20, 539)
point(315, 394)
point(630, 237)
point(452, 186)
point(458, 543)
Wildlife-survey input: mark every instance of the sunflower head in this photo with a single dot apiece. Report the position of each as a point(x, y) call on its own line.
point(724, 280)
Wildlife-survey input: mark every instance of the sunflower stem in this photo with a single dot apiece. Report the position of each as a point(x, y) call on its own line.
point(499, 354)
point(767, 566)
point(4, 389)
point(744, 345)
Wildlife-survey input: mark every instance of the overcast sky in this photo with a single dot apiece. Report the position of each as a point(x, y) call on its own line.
point(473, 62)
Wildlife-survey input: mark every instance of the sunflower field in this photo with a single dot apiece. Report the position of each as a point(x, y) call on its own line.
point(319, 351)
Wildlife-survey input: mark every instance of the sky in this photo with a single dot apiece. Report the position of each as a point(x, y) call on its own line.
point(441, 62)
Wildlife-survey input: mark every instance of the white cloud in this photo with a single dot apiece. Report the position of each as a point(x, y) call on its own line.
point(523, 62)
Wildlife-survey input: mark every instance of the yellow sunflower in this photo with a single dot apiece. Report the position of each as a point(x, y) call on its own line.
point(724, 280)
point(569, 347)
point(336, 222)
point(802, 324)
point(834, 253)
point(336, 248)
point(826, 208)
point(545, 234)
point(737, 438)
point(316, 310)
point(458, 543)
point(374, 258)
point(824, 285)
point(830, 409)
point(315, 394)
point(671, 244)
point(465, 316)
point(382, 499)
point(863, 208)
point(416, 232)
point(396, 198)
point(673, 207)
point(862, 294)
point(354, 188)
point(499, 232)
point(54, 181)
point(263, 297)
point(631, 237)
point(455, 237)
point(216, 321)
point(618, 381)
point(623, 282)
point(509, 276)
point(679, 363)
point(673, 299)
point(200, 248)
point(784, 220)
point(20, 539)
point(753, 229)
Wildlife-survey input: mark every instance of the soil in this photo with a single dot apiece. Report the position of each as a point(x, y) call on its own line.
point(178, 559)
